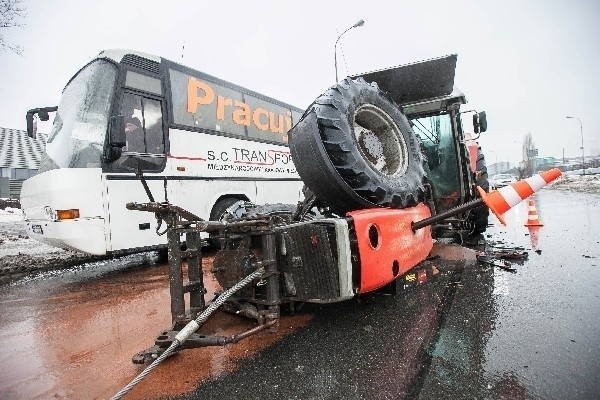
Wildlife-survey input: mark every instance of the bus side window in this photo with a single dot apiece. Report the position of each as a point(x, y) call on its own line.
point(131, 109)
point(143, 124)
point(153, 126)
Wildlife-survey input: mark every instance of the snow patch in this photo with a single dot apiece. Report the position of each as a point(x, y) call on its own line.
point(578, 183)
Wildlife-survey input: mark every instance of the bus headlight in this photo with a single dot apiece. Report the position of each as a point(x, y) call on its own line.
point(67, 214)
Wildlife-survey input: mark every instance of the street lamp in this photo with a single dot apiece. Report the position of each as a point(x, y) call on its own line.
point(582, 153)
point(356, 25)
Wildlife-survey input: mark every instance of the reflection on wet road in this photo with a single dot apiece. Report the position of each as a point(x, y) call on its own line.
point(474, 331)
point(547, 330)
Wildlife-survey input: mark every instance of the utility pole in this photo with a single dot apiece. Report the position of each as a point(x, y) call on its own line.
point(582, 152)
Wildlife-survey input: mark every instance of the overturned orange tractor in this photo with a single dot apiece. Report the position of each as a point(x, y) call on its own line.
point(387, 169)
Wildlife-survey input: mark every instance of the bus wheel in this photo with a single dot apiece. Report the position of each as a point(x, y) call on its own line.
point(162, 256)
point(355, 149)
point(218, 212)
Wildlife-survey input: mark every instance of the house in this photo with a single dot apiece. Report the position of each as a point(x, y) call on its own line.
point(20, 158)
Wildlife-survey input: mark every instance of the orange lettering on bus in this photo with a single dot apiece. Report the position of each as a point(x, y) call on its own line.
point(221, 103)
point(275, 128)
point(242, 113)
point(256, 118)
point(194, 100)
point(201, 93)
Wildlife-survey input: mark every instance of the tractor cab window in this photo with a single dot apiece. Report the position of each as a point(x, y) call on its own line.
point(439, 148)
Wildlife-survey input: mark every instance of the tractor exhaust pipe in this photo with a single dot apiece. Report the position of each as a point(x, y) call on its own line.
point(447, 214)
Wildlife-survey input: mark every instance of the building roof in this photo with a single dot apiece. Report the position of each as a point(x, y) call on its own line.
point(17, 150)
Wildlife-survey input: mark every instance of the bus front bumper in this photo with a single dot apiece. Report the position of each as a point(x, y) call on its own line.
point(83, 234)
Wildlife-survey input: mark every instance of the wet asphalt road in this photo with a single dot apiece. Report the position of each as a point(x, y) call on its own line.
point(545, 340)
point(477, 331)
point(472, 331)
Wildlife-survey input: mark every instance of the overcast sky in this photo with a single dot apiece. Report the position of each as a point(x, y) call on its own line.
point(528, 64)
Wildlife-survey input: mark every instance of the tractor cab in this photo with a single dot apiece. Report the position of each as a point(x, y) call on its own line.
point(426, 93)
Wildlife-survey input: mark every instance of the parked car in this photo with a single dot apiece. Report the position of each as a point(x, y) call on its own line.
point(500, 180)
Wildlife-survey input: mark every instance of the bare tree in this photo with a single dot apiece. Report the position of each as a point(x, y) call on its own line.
point(11, 14)
point(529, 153)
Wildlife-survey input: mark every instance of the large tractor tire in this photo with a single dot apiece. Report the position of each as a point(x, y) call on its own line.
point(479, 216)
point(355, 149)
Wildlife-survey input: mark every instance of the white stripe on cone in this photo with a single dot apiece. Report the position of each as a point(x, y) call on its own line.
point(510, 195)
point(536, 182)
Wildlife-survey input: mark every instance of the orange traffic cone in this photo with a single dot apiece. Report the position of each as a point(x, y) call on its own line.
point(532, 216)
point(503, 199)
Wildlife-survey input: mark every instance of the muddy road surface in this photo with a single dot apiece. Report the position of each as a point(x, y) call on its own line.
point(72, 333)
point(461, 329)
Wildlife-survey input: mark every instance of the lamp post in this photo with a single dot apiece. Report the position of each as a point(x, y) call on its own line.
point(356, 25)
point(582, 152)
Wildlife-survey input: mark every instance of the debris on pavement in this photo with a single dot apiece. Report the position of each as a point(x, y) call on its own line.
point(508, 253)
point(503, 257)
point(496, 263)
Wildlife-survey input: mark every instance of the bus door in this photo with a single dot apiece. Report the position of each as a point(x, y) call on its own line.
point(144, 149)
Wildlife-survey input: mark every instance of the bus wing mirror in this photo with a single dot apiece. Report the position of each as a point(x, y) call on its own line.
point(479, 122)
point(31, 125)
point(42, 113)
point(117, 131)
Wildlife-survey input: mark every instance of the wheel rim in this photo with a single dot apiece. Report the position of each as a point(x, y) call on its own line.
point(380, 140)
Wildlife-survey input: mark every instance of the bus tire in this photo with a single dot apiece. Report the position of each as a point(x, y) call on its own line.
point(355, 149)
point(479, 216)
point(217, 213)
point(162, 255)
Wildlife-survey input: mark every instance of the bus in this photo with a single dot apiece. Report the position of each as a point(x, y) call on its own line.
point(201, 142)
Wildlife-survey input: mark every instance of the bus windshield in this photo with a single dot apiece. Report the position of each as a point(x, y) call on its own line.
point(77, 136)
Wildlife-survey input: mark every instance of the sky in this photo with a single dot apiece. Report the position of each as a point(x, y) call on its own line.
point(528, 64)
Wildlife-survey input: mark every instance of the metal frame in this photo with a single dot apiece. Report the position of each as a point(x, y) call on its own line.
point(181, 222)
